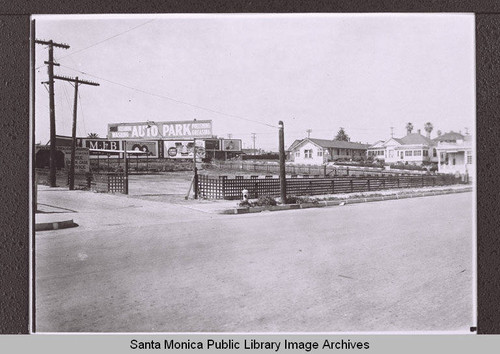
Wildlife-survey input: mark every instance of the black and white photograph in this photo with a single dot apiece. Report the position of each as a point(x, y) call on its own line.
point(254, 173)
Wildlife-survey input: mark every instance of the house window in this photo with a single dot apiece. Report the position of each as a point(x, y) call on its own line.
point(469, 157)
point(308, 154)
point(426, 152)
point(391, 153)
point(454, 161)
point(408, 153)
point(320, 152)
point(297, 153)
point(434, 152)
point(417, 153)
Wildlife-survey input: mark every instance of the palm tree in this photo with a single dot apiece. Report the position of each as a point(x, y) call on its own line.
point(409, 127)
point(93, 135)
point(428, 128)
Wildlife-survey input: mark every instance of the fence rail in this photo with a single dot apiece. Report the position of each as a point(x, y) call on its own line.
point(318, 170)
point(231, 188)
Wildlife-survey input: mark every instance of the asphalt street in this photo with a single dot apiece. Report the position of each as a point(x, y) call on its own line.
point(136, 265)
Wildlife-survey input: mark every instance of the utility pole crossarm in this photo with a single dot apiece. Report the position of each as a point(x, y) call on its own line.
point(51, 43)
point(76, 80)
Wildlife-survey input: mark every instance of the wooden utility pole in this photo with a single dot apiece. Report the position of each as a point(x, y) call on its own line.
point(125, 175)
point(77, 82)
point(195, 171)
point(282, 163)
point(51, 63)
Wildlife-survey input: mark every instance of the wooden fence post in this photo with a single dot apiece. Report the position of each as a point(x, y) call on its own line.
point(352, 187)
point(368, 182)
point(333, 186)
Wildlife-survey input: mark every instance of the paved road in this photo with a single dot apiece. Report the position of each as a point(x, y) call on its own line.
point(400, 265)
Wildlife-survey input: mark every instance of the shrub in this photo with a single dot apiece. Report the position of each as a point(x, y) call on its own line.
point(265, 200)
point(292, 199)
point(245, 203)
point(306, 199)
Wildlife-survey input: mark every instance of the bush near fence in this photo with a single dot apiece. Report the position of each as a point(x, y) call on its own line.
point(231, 188)
point(82, 181)
point(112, 182)
point(141, 165)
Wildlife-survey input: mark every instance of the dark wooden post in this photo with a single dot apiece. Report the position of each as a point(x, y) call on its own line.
point(125, 162)
point(282, 162)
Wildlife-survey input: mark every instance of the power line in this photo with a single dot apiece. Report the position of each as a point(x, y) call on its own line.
point(104, 40)
point(172, 99)
point(107, 39)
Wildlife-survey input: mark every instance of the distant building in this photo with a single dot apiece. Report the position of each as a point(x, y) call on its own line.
point(319, 151)
point(455, 155)
point(450, 137)
point(412, 149)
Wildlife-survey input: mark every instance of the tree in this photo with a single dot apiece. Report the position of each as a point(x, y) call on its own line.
point(409, 127)
point(439, 132)
point(93, 135)
point(428, 128)
point(341, 135)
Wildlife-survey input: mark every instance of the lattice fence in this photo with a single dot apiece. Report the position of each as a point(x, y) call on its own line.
point(231, 188)
point(108, 182)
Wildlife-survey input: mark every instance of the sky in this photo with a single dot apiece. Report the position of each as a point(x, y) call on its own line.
point(246, 72)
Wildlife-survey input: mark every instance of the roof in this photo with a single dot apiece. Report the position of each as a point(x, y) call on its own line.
point(450, 136)
point(324, 143)
point(339, 144)
point(294, 144)
point(414, 139)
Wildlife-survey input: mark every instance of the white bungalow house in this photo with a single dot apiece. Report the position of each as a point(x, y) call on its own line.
point(318, 151)
point(413, 149)
point(456, 157)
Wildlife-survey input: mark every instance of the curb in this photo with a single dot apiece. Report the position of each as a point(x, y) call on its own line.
point(46, 226)
point(327, 203)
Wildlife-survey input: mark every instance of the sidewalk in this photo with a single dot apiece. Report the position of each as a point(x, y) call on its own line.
point(95, 211)
point(63, 208)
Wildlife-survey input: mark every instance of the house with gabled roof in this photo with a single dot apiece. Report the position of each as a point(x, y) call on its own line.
point(318, 151)
point(414, 148)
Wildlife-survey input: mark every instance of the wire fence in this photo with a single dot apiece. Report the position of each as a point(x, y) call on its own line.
point(310, 170)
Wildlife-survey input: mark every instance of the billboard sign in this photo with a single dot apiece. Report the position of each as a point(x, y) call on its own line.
point(149, 147)
point(102, 144)
point(212, 144)
point(161, 130)
point(184, 149)
point(231, 145)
